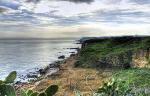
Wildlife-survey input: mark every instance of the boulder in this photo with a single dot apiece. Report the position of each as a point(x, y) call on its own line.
point(71, 55)
point(32, 76)
point(77, 64)
point(61, 57)
point(43, 71)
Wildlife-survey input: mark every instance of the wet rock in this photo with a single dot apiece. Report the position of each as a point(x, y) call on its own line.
point(32, 76)
point(79, 43)
point(61, 57)
point(72, 52)
point(71, 55)
point(54, 65)
point(44, 71)
point(41, 71)
point(64, 61)
point(75, 48)
point(18, 82)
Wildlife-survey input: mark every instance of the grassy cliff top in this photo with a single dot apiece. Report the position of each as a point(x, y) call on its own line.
point(113, 46)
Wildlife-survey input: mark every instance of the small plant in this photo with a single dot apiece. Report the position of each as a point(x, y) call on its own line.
point(115, 87)
point(5, 88)
point(50, 91)
point(8, 90)
point(75, 91)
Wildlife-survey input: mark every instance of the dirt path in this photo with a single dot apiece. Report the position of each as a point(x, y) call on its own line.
point(69, 78)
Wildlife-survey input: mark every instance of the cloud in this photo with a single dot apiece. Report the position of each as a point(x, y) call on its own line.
point(74, 18)
point(12, 4)
point(141, 1)
point(3, 9)
point(74, 1)
point(79, 1)
point(33, 1)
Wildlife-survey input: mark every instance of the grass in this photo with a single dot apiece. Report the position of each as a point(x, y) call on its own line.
point(136, 77)
point(115, 46)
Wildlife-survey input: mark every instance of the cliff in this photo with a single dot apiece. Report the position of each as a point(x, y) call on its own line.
point(120, 52)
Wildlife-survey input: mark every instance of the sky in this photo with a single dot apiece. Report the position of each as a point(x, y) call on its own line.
point(73, 18)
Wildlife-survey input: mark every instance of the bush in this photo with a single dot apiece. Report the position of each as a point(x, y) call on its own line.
point(8, 90)
point(115, 87)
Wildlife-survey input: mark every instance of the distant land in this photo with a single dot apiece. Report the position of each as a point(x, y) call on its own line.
point(102, 37)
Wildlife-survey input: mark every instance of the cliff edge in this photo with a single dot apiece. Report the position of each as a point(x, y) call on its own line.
point(121, 52)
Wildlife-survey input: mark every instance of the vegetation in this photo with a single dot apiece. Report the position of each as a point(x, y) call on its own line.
point(118, 87)
point(115, 46)
point(127, 82)
point(115, 87)
point(138, 78)
point(7, 90)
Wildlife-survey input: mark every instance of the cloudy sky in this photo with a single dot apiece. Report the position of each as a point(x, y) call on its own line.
point(73, 18)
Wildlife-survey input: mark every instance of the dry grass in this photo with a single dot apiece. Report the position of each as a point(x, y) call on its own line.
point(83, 79)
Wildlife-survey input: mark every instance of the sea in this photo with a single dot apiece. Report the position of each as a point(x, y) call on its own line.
point(28, 56)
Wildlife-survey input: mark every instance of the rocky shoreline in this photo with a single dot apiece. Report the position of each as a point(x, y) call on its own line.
point(50, 69)
point(56, 65)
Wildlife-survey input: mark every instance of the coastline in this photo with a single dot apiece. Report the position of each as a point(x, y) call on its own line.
point(49, 70)
point(68, 77)
point(45, 73)
point(87, 79)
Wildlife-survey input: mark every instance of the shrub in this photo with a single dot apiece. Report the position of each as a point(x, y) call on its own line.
point(8, 90)
point(115, 87)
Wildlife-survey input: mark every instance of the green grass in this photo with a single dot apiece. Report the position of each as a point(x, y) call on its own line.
point(136, 77)
point(115, 46)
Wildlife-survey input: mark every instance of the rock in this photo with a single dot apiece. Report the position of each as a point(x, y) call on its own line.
point(77, 64)
point(71, 55)
point(75, 48)
point(54, 65)
point(72, 52)
point(32, 76)
point(18, 82)
point(43, 71)
point(64, 61)
point(61, 57)
point(78, 43)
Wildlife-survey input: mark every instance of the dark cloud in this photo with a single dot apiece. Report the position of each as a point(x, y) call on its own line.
point(34, 1)
point(79, 1)
point(11, 4)
point(3, 9)
point(75, 1)
point(141, 1)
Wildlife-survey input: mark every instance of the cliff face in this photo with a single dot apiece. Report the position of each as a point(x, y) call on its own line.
point(124, 56)
point(131, 59)
point(140, 58)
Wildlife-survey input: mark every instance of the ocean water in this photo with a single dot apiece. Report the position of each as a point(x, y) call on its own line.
point(26, 56)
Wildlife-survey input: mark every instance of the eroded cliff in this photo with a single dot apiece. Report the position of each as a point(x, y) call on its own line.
point(121, 52)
